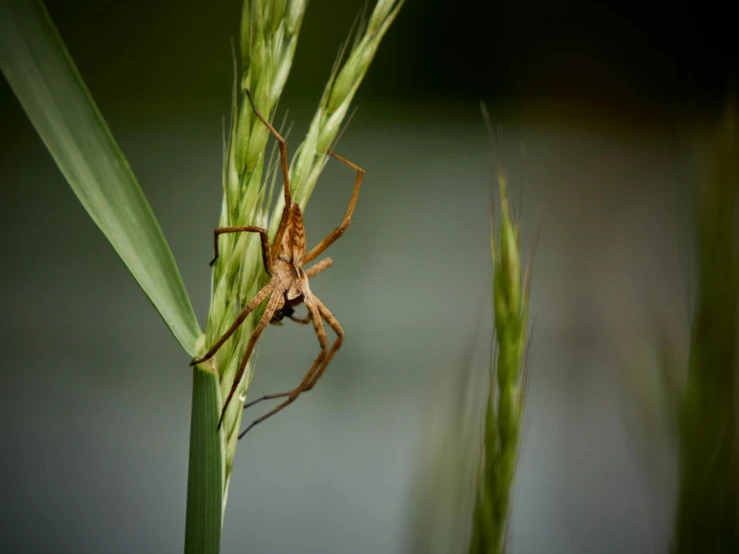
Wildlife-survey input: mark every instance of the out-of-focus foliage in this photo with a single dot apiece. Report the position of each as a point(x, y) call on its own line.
point(707, 515)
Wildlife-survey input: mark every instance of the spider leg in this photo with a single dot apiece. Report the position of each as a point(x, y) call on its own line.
point(302, 320)
point(266, 257)
point(319, 267)
point(336, 233)
point(285, 172)
point(258, 299)
point(293, 394)
point(275, 302)
point(334, 324)
point(262, 398)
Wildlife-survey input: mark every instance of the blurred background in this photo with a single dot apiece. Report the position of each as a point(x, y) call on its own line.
point(95, 394)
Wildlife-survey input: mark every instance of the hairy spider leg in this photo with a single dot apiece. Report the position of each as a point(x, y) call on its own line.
point(258, 299)
point(275, 303)
point(266, 256)
point(321, 247)
point(336, 326)
point(315, 372)
point(314, 316)
point(282, 144)
point(293, 394)
point(319, 267)
point(302, 320)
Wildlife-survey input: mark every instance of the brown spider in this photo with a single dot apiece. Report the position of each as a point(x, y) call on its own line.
point(288, 285)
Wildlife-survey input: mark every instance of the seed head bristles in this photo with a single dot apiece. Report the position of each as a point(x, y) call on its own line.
point(345, 78)
point(520, 188)
point(526, 367)
point(343, 128)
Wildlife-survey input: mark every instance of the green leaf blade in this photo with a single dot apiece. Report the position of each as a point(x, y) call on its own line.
point(46, 82)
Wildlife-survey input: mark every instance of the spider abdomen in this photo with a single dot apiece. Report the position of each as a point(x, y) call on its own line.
point(292, 243)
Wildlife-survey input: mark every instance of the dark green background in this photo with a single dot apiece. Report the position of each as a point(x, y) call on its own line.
point(94, 397)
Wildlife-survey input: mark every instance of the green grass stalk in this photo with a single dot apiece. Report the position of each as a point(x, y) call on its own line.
point(505, 401)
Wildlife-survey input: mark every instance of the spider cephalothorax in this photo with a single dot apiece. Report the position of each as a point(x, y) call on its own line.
point(288, 285)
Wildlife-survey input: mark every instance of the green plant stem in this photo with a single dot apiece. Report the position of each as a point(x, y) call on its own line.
point(204, 517)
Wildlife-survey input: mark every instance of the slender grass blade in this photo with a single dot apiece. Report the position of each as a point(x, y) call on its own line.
point(46, 82)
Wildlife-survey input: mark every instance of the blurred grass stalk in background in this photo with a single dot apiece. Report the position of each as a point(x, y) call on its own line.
point(707, 515)
point(501, 426)
point(269, 34)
